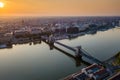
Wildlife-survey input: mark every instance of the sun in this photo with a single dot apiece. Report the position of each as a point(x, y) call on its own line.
point(1, 4)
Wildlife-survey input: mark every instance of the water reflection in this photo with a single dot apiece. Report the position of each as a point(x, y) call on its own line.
point(102, 45)
point(37, 60)
point(77, 60)
point(93, 34)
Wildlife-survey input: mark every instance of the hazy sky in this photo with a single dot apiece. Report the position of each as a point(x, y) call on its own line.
point(61, 7)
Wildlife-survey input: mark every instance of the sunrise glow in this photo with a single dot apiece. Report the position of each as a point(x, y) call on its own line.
point(60, 7)
point(1, 4)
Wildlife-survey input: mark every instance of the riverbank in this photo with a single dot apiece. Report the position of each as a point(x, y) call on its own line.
point(25, 61)
point(116, 61)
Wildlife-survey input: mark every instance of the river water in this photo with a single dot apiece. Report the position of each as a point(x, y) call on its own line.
point(38, 62)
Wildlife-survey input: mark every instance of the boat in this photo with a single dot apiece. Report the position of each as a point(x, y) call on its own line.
point(3, 46)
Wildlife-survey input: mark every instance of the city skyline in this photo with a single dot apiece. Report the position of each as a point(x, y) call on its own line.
point(60, 8)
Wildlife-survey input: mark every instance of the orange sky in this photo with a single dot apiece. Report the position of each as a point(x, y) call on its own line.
point(61, 7)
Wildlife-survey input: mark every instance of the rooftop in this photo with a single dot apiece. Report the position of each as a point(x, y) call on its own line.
point(115, 77)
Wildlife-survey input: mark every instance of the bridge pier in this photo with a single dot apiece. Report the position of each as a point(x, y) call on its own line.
point(78, 51)
point(51, 40)
point(51, 43)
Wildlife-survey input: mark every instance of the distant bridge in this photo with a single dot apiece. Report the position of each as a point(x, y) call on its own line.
point(82, 52)
point(79, 52)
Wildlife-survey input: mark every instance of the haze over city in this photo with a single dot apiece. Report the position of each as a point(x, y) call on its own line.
point(60, 8)
point(59, 40)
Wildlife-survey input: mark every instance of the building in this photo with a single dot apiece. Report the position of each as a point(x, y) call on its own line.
point(91, 69)
point(80, 76)
point(119, 23)
point(96, 72)
point(5, 38)
point(101, 74)
point(83, 27)
point(21, 33)
point(115, 77)
point(35, 31)
point(72, 30)
point(92, 72)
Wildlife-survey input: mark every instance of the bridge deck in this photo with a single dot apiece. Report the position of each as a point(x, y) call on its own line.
point(66, 46)
point(83, 53)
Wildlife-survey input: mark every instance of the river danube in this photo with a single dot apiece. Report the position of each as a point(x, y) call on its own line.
point(38, 62)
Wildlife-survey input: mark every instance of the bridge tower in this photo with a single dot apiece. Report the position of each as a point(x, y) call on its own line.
point(51, 40)
point(78, 51)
